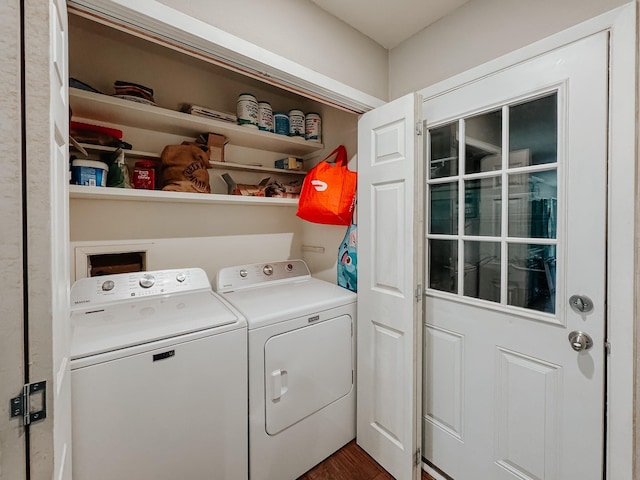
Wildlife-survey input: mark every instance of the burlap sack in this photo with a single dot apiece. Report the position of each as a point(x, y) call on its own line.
point(184, 169)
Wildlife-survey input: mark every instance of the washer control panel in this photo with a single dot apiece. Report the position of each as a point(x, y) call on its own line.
point(123, 286)
point(244, 276)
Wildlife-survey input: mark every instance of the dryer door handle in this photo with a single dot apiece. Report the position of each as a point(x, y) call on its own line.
point(279, 384)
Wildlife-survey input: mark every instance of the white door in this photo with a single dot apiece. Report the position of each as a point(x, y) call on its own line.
point(506, 395)
point(389, 330)
point(47, 231)
point(12, 443)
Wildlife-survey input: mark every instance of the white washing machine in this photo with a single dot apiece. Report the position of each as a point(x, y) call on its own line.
point(158, 378)
point(301, 365)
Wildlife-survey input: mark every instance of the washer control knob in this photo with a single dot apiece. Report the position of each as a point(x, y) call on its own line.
point(147, 280)
point(108, 286)
point(244, 273)
point(267, 270)
point(181, 277)
point(289, 267)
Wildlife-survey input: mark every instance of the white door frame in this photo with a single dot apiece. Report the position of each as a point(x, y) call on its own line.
point(12, 371)
point(47, 232)
point(622, 212)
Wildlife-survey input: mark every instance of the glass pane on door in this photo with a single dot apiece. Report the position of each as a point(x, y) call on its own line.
point(533, 204)
point(443, 155)
point(533, 132)
point(531, 277)
point(483, 143)
point(443, 210)
point(482, 270)
point(443, 259)
point(483, 208)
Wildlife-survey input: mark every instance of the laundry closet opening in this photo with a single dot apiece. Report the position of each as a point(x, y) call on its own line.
point(225, 225)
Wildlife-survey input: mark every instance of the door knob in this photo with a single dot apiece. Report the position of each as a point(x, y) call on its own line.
point(580, 341)
point(581, 303)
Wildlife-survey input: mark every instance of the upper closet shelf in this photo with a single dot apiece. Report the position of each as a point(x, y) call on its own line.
point(104, 108)
point(108, 193)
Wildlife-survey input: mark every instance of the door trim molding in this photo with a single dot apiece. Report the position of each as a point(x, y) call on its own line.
point(622, 287)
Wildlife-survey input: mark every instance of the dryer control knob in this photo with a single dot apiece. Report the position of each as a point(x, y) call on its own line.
point(267, 270)
point(147, 280)
point(181, 277)
point(244, 273)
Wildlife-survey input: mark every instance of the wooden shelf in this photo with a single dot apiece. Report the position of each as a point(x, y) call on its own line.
point(107, 193)
point(128, 153)
point(216, 165)
point(105, 108)
point(253, 168)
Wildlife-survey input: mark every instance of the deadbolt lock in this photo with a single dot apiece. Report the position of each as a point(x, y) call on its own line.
point(581, 303)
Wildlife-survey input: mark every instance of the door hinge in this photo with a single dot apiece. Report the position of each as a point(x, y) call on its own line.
point(419, 292)
point(418, 128)
point(21, 405)
point(607, 348)
point(418, 458)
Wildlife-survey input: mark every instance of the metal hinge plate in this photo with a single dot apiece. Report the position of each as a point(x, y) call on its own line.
point(20, 406)
point(418, 457)
point(418, 128)
point(419, 292)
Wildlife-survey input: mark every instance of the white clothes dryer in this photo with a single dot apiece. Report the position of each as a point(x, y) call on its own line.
point(158, 379)
point(301, 365)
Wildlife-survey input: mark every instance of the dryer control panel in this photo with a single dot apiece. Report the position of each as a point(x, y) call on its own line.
point(256, 274)
point(125, 286)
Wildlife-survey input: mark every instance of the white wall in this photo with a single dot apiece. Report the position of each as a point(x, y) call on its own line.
point(302, 32)
point(209, 253)
point(479, 31)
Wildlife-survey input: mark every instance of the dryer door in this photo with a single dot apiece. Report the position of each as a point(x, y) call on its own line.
point(305, 370)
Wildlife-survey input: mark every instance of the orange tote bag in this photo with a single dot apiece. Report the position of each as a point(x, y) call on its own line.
point(328, 191)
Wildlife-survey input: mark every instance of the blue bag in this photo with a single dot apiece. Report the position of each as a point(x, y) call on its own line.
point(348, 259)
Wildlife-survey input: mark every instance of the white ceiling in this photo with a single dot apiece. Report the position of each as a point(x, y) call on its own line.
point(389, 22)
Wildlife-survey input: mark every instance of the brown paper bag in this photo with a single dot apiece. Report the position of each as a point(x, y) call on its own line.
point(184, 169)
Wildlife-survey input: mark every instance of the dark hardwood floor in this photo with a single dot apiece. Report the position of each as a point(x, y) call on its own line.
point(350, 463)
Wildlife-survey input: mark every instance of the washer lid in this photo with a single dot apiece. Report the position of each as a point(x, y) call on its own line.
point(268, 304)
point(114, 326)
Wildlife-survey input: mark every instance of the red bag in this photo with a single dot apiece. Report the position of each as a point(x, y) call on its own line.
point(328, 191)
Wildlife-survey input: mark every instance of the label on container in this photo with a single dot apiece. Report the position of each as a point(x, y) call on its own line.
point(247, 110)
point(281, 123)
point(89, 172)
point(93, 177)
point(296, 123)
point(144, 178)
point(312, 127)
point(265, 117)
